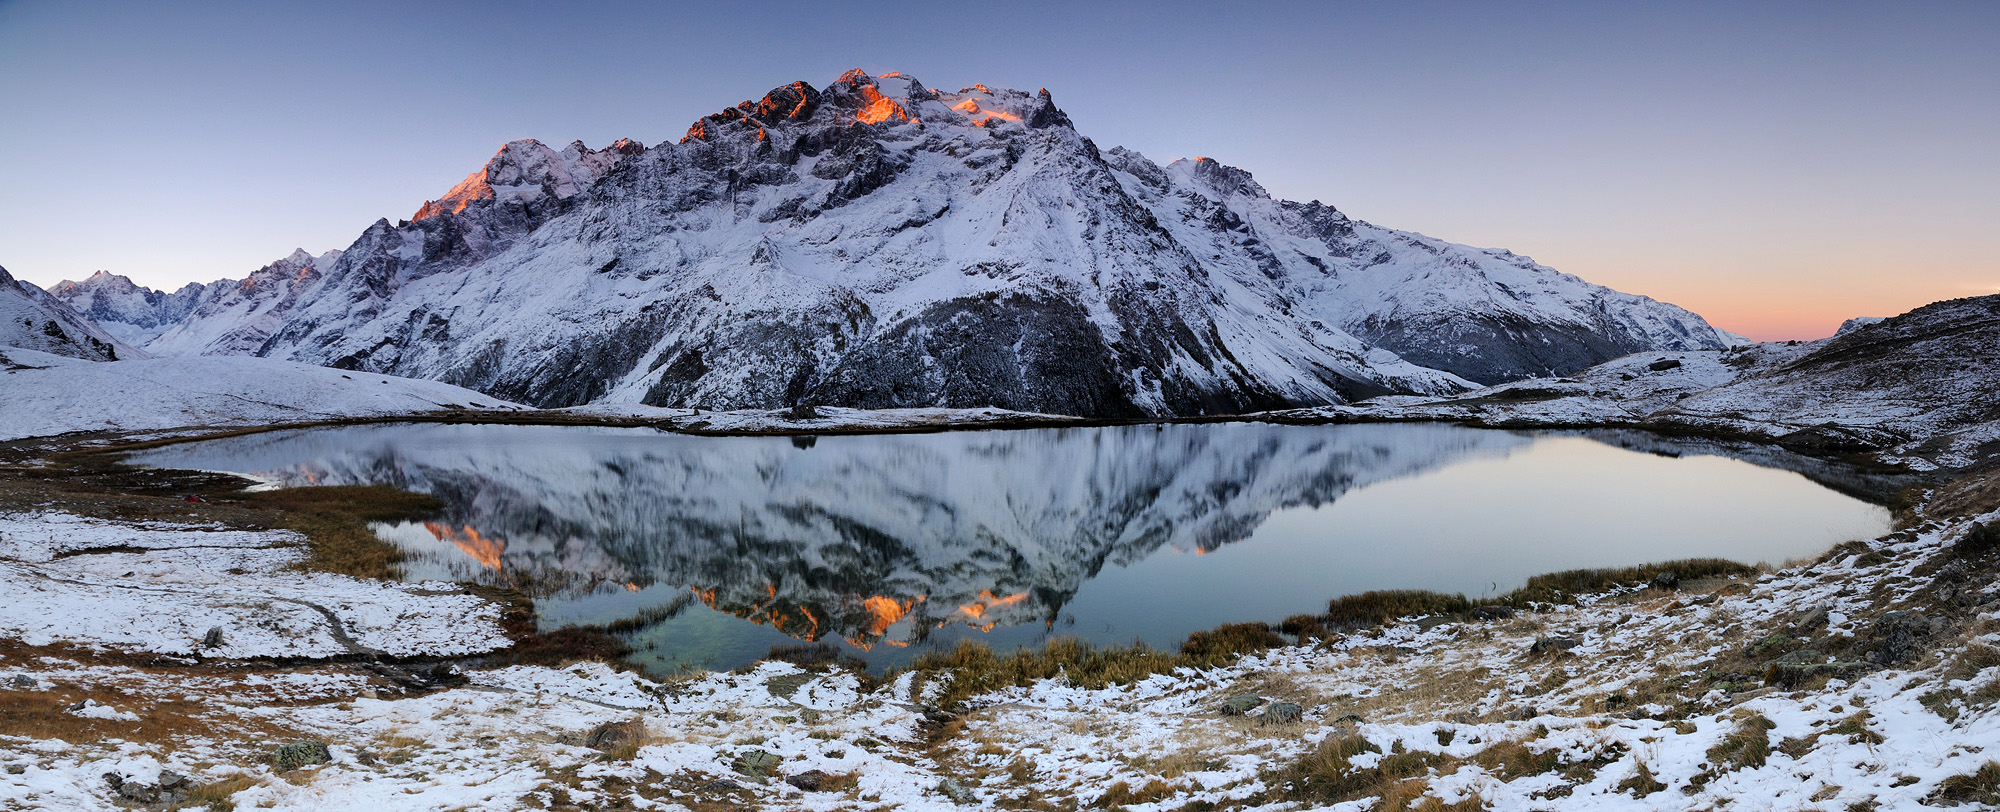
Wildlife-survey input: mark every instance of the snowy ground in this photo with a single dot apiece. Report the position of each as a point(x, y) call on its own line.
point(162, 588)
point(1467, 700)
point(43, 394)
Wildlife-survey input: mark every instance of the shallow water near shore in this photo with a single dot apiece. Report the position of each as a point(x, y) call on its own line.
point(710, 550)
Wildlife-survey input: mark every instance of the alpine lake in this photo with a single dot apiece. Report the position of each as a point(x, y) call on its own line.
point(709, 551)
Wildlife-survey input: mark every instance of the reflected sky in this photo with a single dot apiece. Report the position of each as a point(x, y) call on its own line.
point(721, 547)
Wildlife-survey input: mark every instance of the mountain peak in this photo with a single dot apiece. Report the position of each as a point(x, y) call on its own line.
point(526, 170)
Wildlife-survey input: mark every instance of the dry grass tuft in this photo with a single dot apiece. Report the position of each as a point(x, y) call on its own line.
point(1981, 786)
point(216, 795)
point(1381, 606)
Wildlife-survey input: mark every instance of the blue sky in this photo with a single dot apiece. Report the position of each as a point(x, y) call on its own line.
point(1774, 166)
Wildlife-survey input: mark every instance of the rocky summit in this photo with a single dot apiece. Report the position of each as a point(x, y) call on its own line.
point(879, 243)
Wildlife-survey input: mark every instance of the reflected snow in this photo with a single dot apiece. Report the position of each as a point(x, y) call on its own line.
point(718, 548)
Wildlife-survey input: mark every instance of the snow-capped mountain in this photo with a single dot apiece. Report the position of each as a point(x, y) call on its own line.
point(878, 243)
point(34, 320)
point(136, 315)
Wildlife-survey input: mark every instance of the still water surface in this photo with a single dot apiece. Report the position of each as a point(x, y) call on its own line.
point(888, 544)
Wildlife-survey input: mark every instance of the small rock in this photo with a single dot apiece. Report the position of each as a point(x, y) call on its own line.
point(1283, 713)
point(1808, 620)
point(366, 758)
point(957, 792)
point(300, 754)
point(1667, 579)
point(1347, 719)
point(170, 780)
point(613, 735)
point(1241, 704)
point(21, 681)
point(810, 780)
point(1550, 645)
point(1897, 638)
point(213, 639)
point(1524, 713)
point(1493, 612)
point(756, 764)
point(1664, 364)
point(1771, 643)
point(720, 785)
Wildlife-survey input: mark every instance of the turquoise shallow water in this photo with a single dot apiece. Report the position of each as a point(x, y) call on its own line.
point(718, 548)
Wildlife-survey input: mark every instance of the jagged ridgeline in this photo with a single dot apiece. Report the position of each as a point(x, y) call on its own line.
point(879, 243)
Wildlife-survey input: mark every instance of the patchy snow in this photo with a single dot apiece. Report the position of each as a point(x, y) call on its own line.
point(162, 588)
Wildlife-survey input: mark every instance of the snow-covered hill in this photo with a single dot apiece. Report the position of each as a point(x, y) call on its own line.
point(878, 244)
point(36, 320)
point(43, 394)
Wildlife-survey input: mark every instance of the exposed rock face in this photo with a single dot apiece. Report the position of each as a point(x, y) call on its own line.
point(32, 319)
point(879, 243)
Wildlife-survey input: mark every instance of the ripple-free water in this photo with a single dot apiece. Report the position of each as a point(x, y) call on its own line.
point(887, 544)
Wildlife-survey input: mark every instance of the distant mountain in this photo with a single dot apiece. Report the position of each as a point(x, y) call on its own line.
point(135, 314)
point(34, 320)
point(877, 243)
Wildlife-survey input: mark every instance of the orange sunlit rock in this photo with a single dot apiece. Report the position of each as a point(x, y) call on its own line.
point(884, 611)
point(880, 108)
point(987, 602)
point(484, 549)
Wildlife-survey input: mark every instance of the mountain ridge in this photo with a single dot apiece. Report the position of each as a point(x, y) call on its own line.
point(878, 244)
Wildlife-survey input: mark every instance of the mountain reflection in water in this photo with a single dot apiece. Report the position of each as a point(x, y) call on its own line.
point(893, 541)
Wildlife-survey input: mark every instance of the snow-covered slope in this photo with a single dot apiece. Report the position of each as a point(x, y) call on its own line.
point(43, 394)
point(32, 319)
point(236, 318)
point(136, 315)
point(881, 244)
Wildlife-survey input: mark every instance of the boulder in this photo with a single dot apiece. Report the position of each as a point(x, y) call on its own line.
point(811, 780)
point(1552, 645)
point(1241, 704)
point(1283, 713)
point(1667, 579)
point(756, 764)
point(950, 788)
point(300, 754)
point(1493, 613)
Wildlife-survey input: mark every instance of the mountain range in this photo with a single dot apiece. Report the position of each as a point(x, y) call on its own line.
point(878, 243)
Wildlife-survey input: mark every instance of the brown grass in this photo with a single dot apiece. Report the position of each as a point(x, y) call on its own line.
point(216, 795)
point(1562, 587)
point(1981, 786)
point(1381, 606)
point(974, 668)
point(334, 520)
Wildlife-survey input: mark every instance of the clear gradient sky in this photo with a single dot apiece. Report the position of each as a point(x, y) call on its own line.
point(1776, 167)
